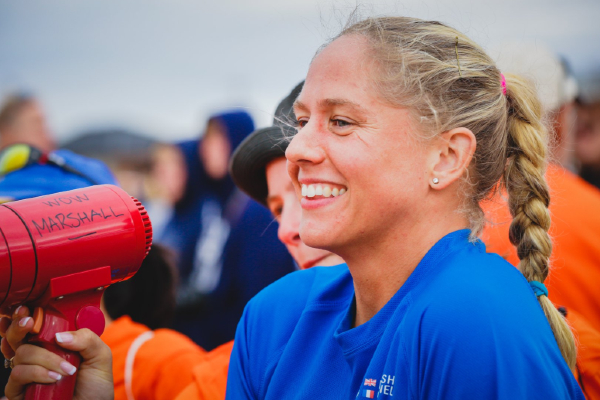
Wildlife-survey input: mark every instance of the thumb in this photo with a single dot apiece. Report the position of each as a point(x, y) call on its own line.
point(88, 344)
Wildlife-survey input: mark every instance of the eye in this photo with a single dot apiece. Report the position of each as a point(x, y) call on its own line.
point(340, 123)
point(301, 122)
point(341, 127)
point(276, 211)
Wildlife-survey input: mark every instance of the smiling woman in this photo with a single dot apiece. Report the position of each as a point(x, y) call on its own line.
point(404, 126)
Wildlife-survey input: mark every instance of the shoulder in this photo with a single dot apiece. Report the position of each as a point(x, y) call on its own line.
point(168, 342)
point(92, 168)
point(478, 321)
point(163, 365)
point(480, 310)
point(294, 292)
point(122, 331)
point(474, 284)
point(271, 316)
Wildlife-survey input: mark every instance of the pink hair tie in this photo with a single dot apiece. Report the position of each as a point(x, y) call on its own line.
point(503, 83)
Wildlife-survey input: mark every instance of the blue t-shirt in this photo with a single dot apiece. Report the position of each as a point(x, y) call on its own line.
point(465, 325)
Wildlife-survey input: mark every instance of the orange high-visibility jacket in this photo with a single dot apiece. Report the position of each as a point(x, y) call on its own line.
point(210, 377)
point(160, 362)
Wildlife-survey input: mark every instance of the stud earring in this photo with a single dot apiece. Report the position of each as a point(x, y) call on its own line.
point(435, 181)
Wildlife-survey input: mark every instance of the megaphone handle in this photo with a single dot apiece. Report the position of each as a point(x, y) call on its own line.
point(64, 388)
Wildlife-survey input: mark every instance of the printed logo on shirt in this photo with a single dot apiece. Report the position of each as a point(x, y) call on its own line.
point(386, 385)
point(369, 394)
point(371, 382)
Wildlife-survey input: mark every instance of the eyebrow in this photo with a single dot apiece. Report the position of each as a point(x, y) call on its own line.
point(328, 103)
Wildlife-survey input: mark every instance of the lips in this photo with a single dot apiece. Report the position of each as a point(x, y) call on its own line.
point(314, 262)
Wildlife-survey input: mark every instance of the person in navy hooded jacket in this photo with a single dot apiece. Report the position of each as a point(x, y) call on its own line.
point(226, 244)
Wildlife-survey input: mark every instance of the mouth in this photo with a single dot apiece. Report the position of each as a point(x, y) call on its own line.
point(313, 263)
point(316, 191)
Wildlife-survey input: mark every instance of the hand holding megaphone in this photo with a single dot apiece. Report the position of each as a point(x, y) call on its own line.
point(34, 364)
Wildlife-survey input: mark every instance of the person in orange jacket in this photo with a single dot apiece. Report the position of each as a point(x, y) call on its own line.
point(258, 167)
point(149, 361)
point(575, 228)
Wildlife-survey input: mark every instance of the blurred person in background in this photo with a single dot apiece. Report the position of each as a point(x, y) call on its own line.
point(226, 247)
point(575, 229)
point(258, 167)
point(165, 184)
point(587, 141)
point(137, 310)
point(150, 362)
point(22, 120)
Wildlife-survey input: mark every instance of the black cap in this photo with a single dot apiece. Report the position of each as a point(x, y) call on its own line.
point(251, 157)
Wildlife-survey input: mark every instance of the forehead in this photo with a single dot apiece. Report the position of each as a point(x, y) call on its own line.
point(342, 70)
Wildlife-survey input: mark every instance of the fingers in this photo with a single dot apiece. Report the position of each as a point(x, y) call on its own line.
point(88, 344)
point(34, 355)
point(20, 326)
point(7, 351)
point(4, 324)
point(35, 364)
point(23, 375)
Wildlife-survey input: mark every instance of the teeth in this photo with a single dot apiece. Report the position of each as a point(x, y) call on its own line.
point(321, 190)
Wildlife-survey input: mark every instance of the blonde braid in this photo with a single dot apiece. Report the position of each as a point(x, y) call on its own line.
point(529, 198)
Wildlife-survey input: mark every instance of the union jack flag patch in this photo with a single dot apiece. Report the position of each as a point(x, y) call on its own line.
point(370, 382)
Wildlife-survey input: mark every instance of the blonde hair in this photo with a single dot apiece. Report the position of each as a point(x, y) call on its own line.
point(449, 82)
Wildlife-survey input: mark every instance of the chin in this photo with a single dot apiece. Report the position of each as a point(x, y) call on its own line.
point(318, 238)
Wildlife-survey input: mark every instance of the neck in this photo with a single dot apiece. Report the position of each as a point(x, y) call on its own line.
point(380, 267)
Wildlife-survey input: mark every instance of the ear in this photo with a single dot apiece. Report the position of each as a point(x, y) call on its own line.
point(451, 154)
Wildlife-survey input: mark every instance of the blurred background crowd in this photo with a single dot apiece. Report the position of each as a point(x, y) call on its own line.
point(163, 92)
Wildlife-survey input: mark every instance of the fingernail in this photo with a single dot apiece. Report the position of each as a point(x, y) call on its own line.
point(17, 310)
point(54, 375)
point(64, 337)
point(24, 321)
point(67, 367)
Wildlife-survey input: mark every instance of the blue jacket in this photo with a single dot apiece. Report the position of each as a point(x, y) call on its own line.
point(225, 243)
point(38, 180)
point(465, 325)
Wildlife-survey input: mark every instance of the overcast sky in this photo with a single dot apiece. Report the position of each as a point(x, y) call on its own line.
point(161, 67)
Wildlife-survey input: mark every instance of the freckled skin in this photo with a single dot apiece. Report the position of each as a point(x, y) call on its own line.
point(375, 157)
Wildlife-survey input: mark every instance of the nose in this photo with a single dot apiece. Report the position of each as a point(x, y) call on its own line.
point(306, 147)
point(289, 223)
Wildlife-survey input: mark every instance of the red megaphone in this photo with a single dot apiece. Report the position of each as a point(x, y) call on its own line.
point(57, 255)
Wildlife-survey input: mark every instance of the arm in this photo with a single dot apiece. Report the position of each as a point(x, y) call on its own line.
point(238, 379)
